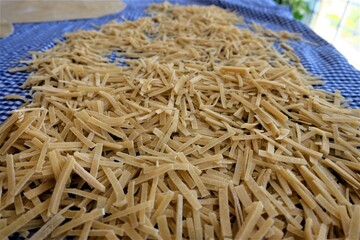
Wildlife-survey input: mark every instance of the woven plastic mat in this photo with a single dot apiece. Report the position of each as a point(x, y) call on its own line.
point(321, 60)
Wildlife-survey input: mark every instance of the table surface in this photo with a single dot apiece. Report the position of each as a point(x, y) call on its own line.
point(321, 60)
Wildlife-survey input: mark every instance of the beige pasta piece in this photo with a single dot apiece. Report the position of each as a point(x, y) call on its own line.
point(263, 229)
point(354, 231)
point(51, 225)
point(128, 211)
point(184, 190)
point(24, 218)
point(78, 221)
point(87, 176)
point(15, 135)
point(224, 213)
point(269, 208)
point(163, 227)
point(59, 187)
point(250, 221)
point(179, 217)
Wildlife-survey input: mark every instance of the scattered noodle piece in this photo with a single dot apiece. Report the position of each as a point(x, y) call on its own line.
point(60, 186)
point(250, 221)
point(207, 131)
point(224, 213)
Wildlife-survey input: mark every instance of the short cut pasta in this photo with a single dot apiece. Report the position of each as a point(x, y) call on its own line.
point(198, 129)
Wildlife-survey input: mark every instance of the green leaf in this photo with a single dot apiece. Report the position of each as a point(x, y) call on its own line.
point(299, 8)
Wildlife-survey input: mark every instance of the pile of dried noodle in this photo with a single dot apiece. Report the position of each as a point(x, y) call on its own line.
point(207, 132)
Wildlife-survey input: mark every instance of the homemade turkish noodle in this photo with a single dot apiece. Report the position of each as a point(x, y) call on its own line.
point(179, 125)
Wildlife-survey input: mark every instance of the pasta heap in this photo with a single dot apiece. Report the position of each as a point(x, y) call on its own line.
point(199, 129)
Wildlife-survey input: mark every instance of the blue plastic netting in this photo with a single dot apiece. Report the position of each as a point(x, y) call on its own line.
point(322, 60)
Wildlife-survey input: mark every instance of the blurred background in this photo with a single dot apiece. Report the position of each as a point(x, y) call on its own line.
point(337, 21)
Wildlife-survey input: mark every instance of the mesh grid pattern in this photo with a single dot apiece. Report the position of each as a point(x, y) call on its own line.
point(321, 60)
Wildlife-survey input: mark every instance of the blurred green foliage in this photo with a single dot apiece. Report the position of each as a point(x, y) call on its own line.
point(299, 8)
